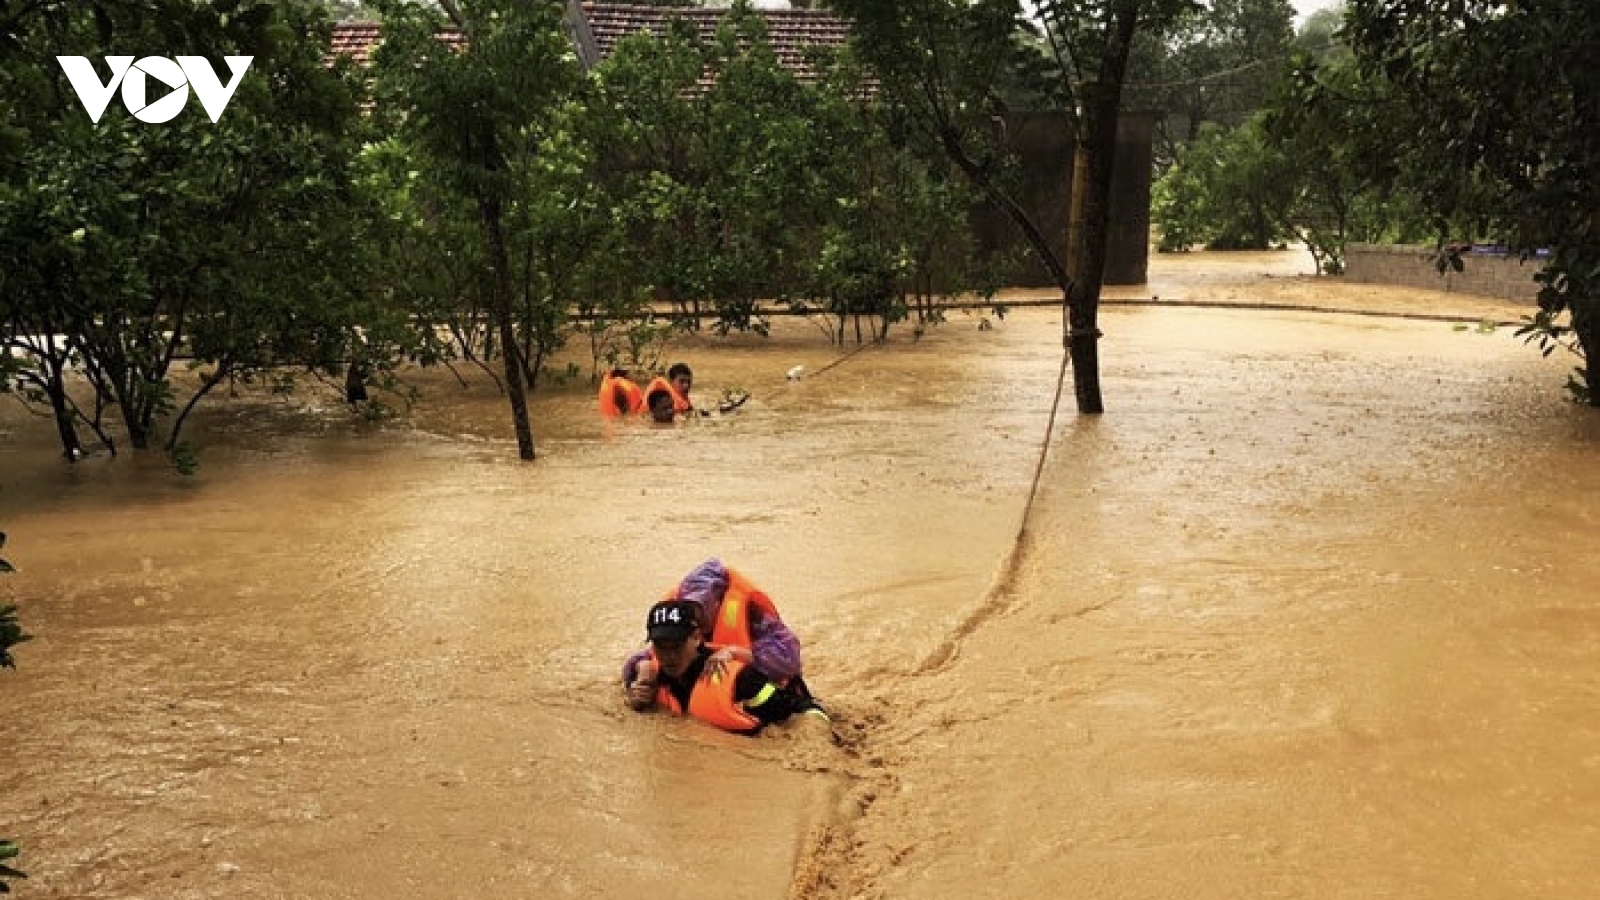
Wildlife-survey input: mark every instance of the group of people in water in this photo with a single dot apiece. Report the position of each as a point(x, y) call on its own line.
point(717, 650)
point(663, 399)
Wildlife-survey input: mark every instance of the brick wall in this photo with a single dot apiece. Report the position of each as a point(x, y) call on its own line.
point(1487, 274)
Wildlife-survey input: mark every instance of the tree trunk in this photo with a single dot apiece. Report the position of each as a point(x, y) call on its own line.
point(355, 383)
point(1101, 101)
point(1586, 327)
point(509, 352)
point(71, 447)
point(207, 384)
point(136, 416)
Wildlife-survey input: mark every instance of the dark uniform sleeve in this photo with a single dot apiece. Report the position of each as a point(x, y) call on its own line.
point(765, 700)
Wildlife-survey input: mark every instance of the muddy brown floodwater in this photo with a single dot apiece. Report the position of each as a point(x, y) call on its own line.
point(1311, 611)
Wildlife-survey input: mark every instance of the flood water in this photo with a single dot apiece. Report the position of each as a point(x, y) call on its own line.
point(1309, 612)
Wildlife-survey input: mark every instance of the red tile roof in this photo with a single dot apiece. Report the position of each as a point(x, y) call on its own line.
point(357, 40)
point(789, 31)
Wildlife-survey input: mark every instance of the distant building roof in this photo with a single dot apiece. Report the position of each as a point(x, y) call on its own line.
point(790, 31)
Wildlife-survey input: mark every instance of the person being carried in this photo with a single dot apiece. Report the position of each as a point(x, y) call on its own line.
point(619, 396)
point(742, 624)
point(683, 676)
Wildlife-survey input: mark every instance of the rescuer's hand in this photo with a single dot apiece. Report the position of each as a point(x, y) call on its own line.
point(718, 663)
point(641, 692)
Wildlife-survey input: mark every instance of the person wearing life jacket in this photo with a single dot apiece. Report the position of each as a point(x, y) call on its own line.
point(684, 677)
point(679, 379)
point(619, 396)
point(742, 623)
point(660, 408)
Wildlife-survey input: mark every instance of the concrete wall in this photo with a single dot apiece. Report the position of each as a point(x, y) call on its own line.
point(1044, 142)
point(1487, 274)
point(1128, 243)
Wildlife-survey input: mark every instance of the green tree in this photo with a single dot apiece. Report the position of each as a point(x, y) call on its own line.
point(1226, 191)
point(429, 238)
point(710, 160)
point(1327, 135)
point(128, 248)
point(646, 127)
point(1218, 63)
point(735, 182)
point(1501, 121)
point(11, 634)
point(473, 116)
point(894, 227)
point(1313, 165)
point(955, 66)
point(1318, 35)
point(762, 162)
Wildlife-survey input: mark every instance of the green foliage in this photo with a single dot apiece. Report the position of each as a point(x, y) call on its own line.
point(127, 246)
point(894, 232)
point(1550, 329)
point(732, 182)
point(1178, 208)
point(714, 184)
point(11, 634)
point(1310, 163)
point(954, 68)
point(8, 851)
point(1216, 64)
point(1494, 120)
point(185, 458)
point(631, 339)
point(1228, 192)
point(480, 123)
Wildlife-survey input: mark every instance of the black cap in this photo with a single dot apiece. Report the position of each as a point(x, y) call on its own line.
point(671, 621)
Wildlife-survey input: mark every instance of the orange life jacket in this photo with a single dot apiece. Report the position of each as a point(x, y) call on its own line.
point(712, 701)
point(680, 403)
point(619, 396)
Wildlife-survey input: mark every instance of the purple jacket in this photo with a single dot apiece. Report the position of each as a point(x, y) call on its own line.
point(776, 649)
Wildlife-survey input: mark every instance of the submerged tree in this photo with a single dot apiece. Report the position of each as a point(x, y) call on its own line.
point(473, 114)
point(956, 66)
point(11, 634)
point(128, 251)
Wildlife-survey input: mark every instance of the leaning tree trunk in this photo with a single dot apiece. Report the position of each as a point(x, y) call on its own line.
point(55, 387)
point(1081, 307)
point(509, 351)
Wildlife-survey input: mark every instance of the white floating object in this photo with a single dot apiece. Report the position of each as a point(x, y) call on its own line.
point(795, 373)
